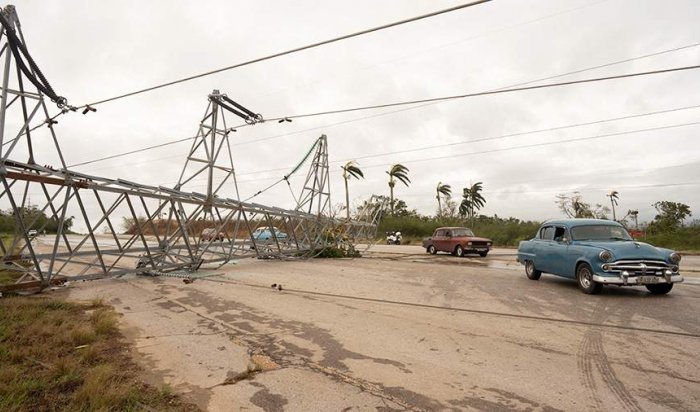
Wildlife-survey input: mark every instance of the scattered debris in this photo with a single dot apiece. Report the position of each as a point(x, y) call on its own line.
point(188, 280)
point(263, 362)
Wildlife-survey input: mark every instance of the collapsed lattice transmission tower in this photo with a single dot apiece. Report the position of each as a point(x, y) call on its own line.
point(170, 230)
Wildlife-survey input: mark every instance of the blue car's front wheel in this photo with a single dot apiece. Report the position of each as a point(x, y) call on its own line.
point(584, 277)
point(660, 289)
point(530, 271)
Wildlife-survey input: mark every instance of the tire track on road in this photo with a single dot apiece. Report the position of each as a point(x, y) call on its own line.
point(585, 369)
point(660, 392)
point(592, 353)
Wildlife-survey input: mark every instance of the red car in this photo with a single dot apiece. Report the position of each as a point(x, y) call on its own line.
point(457, 241)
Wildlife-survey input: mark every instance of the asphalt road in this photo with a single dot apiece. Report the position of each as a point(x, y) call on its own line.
point(401, 330)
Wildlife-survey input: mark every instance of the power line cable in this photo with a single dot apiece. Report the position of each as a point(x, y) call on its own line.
point(523, 133)
point(435, 99)
point(491, 92)
point(518, 25)
point(495, 192)
point(646, 186)
point(456, 42)
point(295, 50)
point(482, 139)
point(550, 129)
point(503, 149)
point(644, 56)
point(577, 139)
point(134, 151)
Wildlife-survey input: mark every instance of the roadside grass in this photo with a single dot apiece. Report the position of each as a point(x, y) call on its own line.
point(8, 277)
point(58, 355)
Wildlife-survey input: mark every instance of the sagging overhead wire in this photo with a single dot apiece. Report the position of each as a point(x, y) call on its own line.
point(498, 137)
point(600, 66)
point(286, 119)
point(541, 144)
point(428, 101)
point(490, 92)
point(249, 117)
point(503, 149)
point(295, 169)
point(143, 149)
point(294, 50)
point(286, 177)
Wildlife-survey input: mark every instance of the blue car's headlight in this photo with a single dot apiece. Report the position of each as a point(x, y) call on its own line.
point(675, 257)
point(605, 255)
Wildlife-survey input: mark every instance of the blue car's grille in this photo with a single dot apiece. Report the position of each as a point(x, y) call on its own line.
point(639, 267)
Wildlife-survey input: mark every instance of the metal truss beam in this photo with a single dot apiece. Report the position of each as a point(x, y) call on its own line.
point(169, 229)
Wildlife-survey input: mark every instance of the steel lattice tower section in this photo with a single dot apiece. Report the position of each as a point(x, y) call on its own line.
point(210, 142)
point(315, 196)
point(21, 107)
point(166, 231)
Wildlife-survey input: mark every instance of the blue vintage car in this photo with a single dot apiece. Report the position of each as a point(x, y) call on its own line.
point(598, 252)
point(269, 233)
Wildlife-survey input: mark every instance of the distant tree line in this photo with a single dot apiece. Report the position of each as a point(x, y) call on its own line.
point(34, 219)
point(669, 228)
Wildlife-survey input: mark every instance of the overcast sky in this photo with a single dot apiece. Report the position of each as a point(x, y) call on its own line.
point(93, 50)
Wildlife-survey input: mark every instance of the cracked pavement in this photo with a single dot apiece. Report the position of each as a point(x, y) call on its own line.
point(407, 334)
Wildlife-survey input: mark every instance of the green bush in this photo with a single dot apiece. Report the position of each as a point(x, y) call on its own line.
point(337, 252)
point(684, 238)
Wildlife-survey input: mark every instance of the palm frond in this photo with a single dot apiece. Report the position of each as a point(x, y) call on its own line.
point(403, 178)
point(400, 173)
point(464, 207)
point(445, 190)
point(355, 171)
point(397, 169)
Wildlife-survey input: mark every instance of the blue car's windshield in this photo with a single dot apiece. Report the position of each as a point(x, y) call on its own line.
point(599, 232)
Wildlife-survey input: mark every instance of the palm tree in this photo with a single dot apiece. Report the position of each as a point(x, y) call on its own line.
point(396, 172)
point(471, 199)
point(350, 170)
point(634, 214)
point(445, 190)
point(614, 195)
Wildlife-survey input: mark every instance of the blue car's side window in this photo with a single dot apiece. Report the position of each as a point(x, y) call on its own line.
point(547, 233)
point(559, 234)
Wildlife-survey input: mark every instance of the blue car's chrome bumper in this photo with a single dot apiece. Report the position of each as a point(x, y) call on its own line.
point(637, 280)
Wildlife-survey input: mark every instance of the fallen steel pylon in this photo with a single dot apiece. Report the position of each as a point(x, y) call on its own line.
point(171, 229)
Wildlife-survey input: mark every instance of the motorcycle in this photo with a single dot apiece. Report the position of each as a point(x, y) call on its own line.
point(393, 238)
